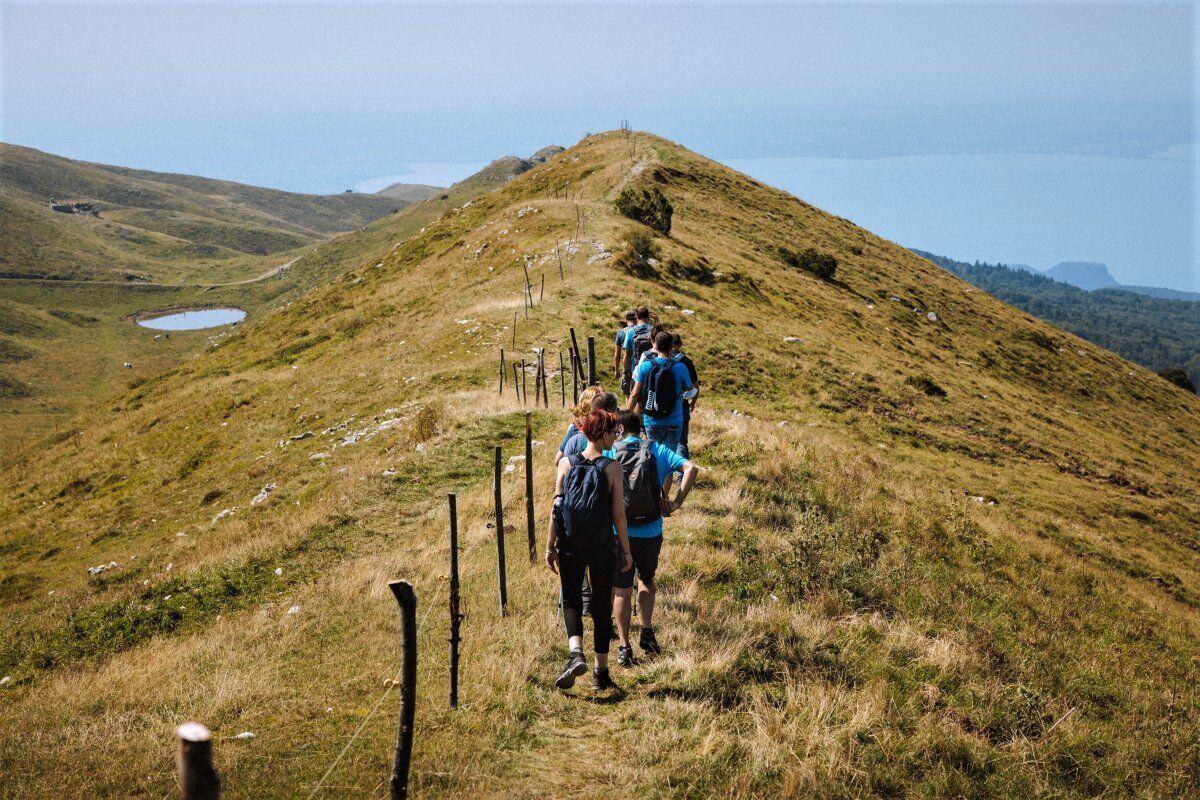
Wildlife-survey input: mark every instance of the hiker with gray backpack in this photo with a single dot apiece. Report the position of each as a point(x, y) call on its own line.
point(589, 503)
point(647, 469)
point(659, 385)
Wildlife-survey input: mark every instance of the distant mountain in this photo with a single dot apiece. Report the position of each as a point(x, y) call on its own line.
point(1163, 293)
point(61, 218)
point(1156, 332)
point(409, 192)
point(1084, 274)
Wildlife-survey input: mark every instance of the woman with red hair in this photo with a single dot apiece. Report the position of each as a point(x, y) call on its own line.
point(588, 502)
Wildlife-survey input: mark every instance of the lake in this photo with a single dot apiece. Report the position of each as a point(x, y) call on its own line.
point(194, 319)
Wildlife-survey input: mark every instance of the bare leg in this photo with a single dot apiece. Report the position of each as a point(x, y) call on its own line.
point(624, 614)
point(646, 606)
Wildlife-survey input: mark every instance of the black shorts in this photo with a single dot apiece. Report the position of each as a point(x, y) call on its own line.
point(645, 562)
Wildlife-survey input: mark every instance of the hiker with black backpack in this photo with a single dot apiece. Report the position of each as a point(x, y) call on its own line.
point(638, 341)
point(647, 469)
point(689, 397)
point(589, 502)
point(659, 384)
point(621, 368)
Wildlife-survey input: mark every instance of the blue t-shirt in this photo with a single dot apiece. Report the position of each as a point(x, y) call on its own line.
point(571, 431)
point(620, 337)
point(575, 445)
point(667, 461)
point(683, 382)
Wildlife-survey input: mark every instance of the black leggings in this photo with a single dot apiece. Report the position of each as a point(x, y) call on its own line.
point(601, 564)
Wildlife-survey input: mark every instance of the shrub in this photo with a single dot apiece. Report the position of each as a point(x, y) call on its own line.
point(925, 384)
point(698, 271)
point(428, 422)
point(647, 206)
point(11, 389)
point(822, 265)
point(637, 253)
point(1178, 377)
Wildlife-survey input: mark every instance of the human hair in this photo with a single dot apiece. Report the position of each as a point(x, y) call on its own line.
point(597, 424)
point(678, 342)
point(631, 422)
point(584, 406)
point(664, 341)
point(605, 401)
point(631, 316)
point(642, 313)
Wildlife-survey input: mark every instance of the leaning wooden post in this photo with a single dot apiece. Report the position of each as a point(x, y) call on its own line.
point(542, 291)
point(501, 370)
point(529, 522)
point(194, 761)
point(408, 686)
point(575, 375)
point(591, 369)
point(500, 538)
point(562, 380)
point(545, 382)
point(578, 352)
point(524, 386)
point(455, 616)
point(516, 383)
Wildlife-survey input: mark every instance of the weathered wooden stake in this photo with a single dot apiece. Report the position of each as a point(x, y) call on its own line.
point(575, 375)
point(562, 380)
point(529, 522)
point(502, 370)
point(407, 599)
point(591, 365)
point(561, 277)
point(516, 383)
point(455, 616)
point(524, 386)
point(578, 352)
point(500, 537)
point(194, 761)
point(542, 291)
point(545, 381)
point(514, 347)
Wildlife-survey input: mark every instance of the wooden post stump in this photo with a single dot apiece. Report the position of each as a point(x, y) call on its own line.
point(194, 761)
point(455, 616)
point(407, 600)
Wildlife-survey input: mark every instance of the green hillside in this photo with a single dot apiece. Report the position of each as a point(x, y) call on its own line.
point(1156, 332)
point(939, 548)
point(155, 226)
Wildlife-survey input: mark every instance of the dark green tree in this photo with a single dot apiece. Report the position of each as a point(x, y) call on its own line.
point(647, 206)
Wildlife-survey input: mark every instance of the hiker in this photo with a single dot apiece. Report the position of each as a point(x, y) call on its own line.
point(602, 401)
point(638, 341)
point(620, 371)
point(647, 467)
point(689, 397)
point(659, 384)
point(588, 502)
point(578, 412)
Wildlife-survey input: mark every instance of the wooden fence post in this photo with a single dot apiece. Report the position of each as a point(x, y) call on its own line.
point(516, 383)
point(578, 352)
point(562, 380)
point(194, 761)
point(501, 370)
point(455, 616)
point(529, 516)
point(591, 368)
point(575, 375)
point(500, 537)
point(407, 599)
point(545, 381)
point(514, 347)
point(524, 386)
point(542, 291)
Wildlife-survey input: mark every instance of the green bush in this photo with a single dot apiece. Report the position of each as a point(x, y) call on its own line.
point(647, 206)
point(925, 384)
point(822, 265)
point(637, 253)
point(1178, 377)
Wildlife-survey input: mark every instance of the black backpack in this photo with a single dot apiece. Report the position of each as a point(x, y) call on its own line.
point(586, 504)
point(642, 487)
point(661, 392)
point(642, 343)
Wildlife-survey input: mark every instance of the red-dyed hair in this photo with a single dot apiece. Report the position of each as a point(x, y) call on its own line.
point(598, 423)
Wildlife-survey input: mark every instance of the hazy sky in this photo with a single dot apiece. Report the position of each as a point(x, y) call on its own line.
point(321, 97)
point(71, 62)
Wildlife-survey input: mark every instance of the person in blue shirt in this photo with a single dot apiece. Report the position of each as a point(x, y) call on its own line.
point(620, 371)
point(642, 318)
point(645, 540)
point(666, 429)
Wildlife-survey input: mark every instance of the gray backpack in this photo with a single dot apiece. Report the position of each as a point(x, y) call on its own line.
point(642, 487)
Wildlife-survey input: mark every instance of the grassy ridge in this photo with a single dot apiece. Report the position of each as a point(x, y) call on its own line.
point(842, 616)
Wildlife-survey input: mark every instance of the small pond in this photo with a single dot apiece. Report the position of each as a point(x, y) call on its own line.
point(193, 320)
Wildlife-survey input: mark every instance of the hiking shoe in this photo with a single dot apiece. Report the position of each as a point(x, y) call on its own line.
point(648, 643)
point(625, 656)
point(576, 666)
point(601, 680)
